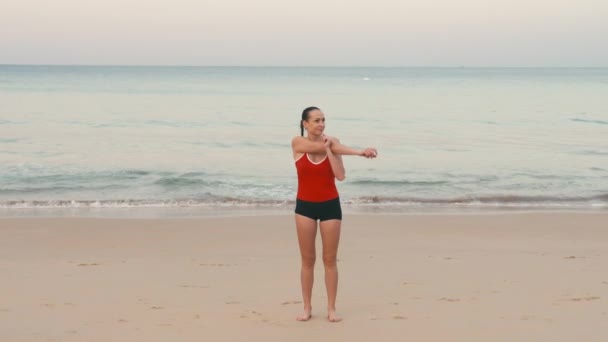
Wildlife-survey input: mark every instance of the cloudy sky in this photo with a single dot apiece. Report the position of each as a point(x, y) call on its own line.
point(305, 33)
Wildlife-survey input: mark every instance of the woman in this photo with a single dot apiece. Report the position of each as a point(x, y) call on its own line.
point(318, 160)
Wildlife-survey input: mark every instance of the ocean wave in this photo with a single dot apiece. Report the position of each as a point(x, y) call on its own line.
point(178, 124)
point(25, 181)
point(26, 176)
point(9, 122)
point(601, 122)
point(539, 176)
point(139, 124)
point(182, 181)
point(593, 153)
point(128, 203)
point(9, 140)
point(395, 182)
point(496, 200)
point(17, 190)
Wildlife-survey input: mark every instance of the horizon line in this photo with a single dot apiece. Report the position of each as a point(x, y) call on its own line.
point(309, 66)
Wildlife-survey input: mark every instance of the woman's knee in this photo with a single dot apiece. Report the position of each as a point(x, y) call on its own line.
point(308, 261)
point(330, 260)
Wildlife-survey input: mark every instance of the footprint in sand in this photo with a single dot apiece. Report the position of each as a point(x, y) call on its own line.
point(292, 302)
point(374, 318)
point(586, 299)
point(250, 312)
point(218, 265)
point(232, 302)
point(409, 283)
point(157, 308)
point(122, 321)
point(450, 299)
point(259, 317)
point(194, 286)
point(91, 264)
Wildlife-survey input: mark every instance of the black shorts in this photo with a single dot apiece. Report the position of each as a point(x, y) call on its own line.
point(322, 211)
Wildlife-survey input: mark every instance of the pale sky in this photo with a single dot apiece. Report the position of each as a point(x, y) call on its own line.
point(305, 33)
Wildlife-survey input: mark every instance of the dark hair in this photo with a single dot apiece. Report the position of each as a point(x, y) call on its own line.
point(305, 117)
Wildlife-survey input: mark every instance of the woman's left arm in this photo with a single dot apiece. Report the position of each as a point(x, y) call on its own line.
point(335, 160)
point(340, 149)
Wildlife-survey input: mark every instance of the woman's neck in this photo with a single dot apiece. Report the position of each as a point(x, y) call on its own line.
point(313, 137)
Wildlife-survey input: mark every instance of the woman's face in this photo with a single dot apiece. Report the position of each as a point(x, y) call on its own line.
point(315, 124)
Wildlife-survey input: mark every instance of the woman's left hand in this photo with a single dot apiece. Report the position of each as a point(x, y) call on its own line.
point(369, 152)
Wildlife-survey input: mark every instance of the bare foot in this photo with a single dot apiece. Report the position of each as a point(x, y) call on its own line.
point(305, 316)
point(332, 317)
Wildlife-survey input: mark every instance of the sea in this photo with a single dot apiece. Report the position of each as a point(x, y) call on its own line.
point(189, 141)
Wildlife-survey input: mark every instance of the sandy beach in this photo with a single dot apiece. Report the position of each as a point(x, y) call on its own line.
point(433, 277)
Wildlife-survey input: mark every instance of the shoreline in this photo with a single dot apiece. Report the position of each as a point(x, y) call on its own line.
point(256, 211)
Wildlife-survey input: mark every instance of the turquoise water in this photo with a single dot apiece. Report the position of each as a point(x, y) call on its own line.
point(73, 137)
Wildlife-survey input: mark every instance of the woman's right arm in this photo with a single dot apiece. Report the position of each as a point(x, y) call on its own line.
point(303, 145)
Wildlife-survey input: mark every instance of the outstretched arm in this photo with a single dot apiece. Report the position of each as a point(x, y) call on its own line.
point(303, 145)
point(339, 148)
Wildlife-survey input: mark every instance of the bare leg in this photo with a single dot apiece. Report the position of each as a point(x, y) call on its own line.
point(307, 233)
point(330, 234)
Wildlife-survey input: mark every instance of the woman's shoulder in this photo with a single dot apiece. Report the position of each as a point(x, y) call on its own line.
point(297, 139)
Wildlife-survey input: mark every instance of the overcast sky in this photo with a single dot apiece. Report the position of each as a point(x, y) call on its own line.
point(305, 33)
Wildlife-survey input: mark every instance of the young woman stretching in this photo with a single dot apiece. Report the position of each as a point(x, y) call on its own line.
point(318, 160)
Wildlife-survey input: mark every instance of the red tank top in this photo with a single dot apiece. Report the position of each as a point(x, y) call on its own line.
point(316, 182)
